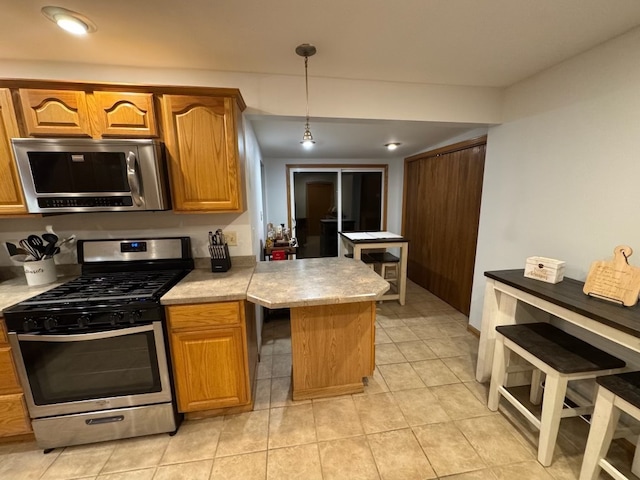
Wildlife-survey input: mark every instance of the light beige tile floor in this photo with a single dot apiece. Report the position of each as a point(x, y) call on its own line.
point(422, 416)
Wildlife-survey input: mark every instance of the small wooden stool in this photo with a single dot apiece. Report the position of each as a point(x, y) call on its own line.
point(562, 358)
point(387, 261)
point(364, 258)
point(616, 393)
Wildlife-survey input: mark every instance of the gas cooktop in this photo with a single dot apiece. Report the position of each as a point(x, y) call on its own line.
point(121, 284)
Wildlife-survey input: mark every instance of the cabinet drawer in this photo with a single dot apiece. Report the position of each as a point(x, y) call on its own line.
point(13, 415)
point(203, 315)
point(8, 380)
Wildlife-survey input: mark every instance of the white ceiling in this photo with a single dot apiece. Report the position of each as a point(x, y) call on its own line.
point(454, 42)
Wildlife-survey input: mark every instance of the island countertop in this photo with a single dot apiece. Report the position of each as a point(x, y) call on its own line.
point(314, 281)
point(203, 286)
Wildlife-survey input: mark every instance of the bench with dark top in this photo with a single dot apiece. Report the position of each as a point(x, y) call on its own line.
point(558, 349)
point(624, 385)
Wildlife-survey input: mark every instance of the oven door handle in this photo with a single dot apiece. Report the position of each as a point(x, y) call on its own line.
point(80, 337)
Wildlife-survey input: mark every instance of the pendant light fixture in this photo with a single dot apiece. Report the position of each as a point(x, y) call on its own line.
point(306, 50)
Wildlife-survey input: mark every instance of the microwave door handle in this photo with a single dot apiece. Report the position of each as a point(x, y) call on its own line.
point(133, 178)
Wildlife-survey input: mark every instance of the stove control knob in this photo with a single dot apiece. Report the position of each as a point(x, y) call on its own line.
point(135, 316)
point(29, 324)
point(50, 323)
point(83, 321)
point(115, 317)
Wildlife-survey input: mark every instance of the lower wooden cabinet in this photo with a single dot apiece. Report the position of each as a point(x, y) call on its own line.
point(14, 418)
point(212, 355)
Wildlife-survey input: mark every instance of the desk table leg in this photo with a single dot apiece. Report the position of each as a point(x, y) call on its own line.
point(402, 274)
point(498, 309)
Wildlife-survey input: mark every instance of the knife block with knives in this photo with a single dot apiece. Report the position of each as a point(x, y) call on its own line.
point(219, 252)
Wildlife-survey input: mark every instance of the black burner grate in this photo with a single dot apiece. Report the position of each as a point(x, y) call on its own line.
point(110, 286)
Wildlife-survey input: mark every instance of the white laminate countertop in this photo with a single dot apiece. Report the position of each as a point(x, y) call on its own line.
point(314, 281)
point(202, 285)
point(14, 290)
point(293, 283)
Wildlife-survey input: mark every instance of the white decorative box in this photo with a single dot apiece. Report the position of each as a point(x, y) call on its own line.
point(546, 269)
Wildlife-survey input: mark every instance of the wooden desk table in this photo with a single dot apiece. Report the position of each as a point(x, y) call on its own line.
point(358, 241)
point(565, 300)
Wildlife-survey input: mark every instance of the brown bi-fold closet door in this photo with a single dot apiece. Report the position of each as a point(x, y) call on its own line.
point(441, 211)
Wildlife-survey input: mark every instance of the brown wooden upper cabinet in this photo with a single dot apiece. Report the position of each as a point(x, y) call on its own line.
point(122, 114)
point(11, 197)
point(72, 113)
point(55, 112)
point(202, 136)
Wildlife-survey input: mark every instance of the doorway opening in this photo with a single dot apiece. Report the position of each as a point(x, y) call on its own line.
point(325, 200)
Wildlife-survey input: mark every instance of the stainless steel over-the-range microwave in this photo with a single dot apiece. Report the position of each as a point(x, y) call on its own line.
point(85, 175)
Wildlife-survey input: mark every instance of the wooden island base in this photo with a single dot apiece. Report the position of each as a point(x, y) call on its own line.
point(332, 349)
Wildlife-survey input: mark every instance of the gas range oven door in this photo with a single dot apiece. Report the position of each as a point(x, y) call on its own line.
point(75, 373)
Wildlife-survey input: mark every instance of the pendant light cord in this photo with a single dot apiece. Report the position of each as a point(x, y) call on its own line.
point(306, 82)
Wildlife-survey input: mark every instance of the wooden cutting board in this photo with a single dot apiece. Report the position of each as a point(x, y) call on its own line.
point(614, 280)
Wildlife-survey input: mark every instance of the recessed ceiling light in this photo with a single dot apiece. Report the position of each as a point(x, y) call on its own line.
point(392, 146)
point(70, 21)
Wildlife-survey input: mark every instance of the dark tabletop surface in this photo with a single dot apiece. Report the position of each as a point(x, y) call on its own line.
point(568, 294)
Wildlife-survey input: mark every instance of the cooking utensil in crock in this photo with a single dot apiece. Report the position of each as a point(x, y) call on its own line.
point(12, 248)
point(36, 242)
point(24, 243)
point(50, 237)
point(50, 250)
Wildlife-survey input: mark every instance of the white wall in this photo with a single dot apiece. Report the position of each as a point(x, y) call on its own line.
point(253, 182)
point(254, 187)
point(561, 174)
point(131, 225)
point(276, 181)
point(264, 94)
point(282, 95)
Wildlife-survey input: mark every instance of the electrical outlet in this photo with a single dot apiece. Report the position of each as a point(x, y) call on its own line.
point(231, 238)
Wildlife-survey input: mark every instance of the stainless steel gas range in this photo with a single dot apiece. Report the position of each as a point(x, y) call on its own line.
point(92, 354)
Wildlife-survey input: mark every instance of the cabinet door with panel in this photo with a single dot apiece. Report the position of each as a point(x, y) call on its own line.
point(11, 196)
point(201, 136)
point(55, 112)
point(14, 419)
point(123, 114)
point(209, 353)
point(210, 368)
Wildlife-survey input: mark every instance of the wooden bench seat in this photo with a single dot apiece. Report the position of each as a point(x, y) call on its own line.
point(561, 358)
point(616, 393)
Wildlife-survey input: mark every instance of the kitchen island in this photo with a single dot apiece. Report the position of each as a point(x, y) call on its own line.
point(332, 302)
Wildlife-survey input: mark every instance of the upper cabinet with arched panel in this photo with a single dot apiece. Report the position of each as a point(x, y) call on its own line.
point(123, 114)
point(88, 114)
point(204, 140)
point(55, 113)
point(201, 128)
